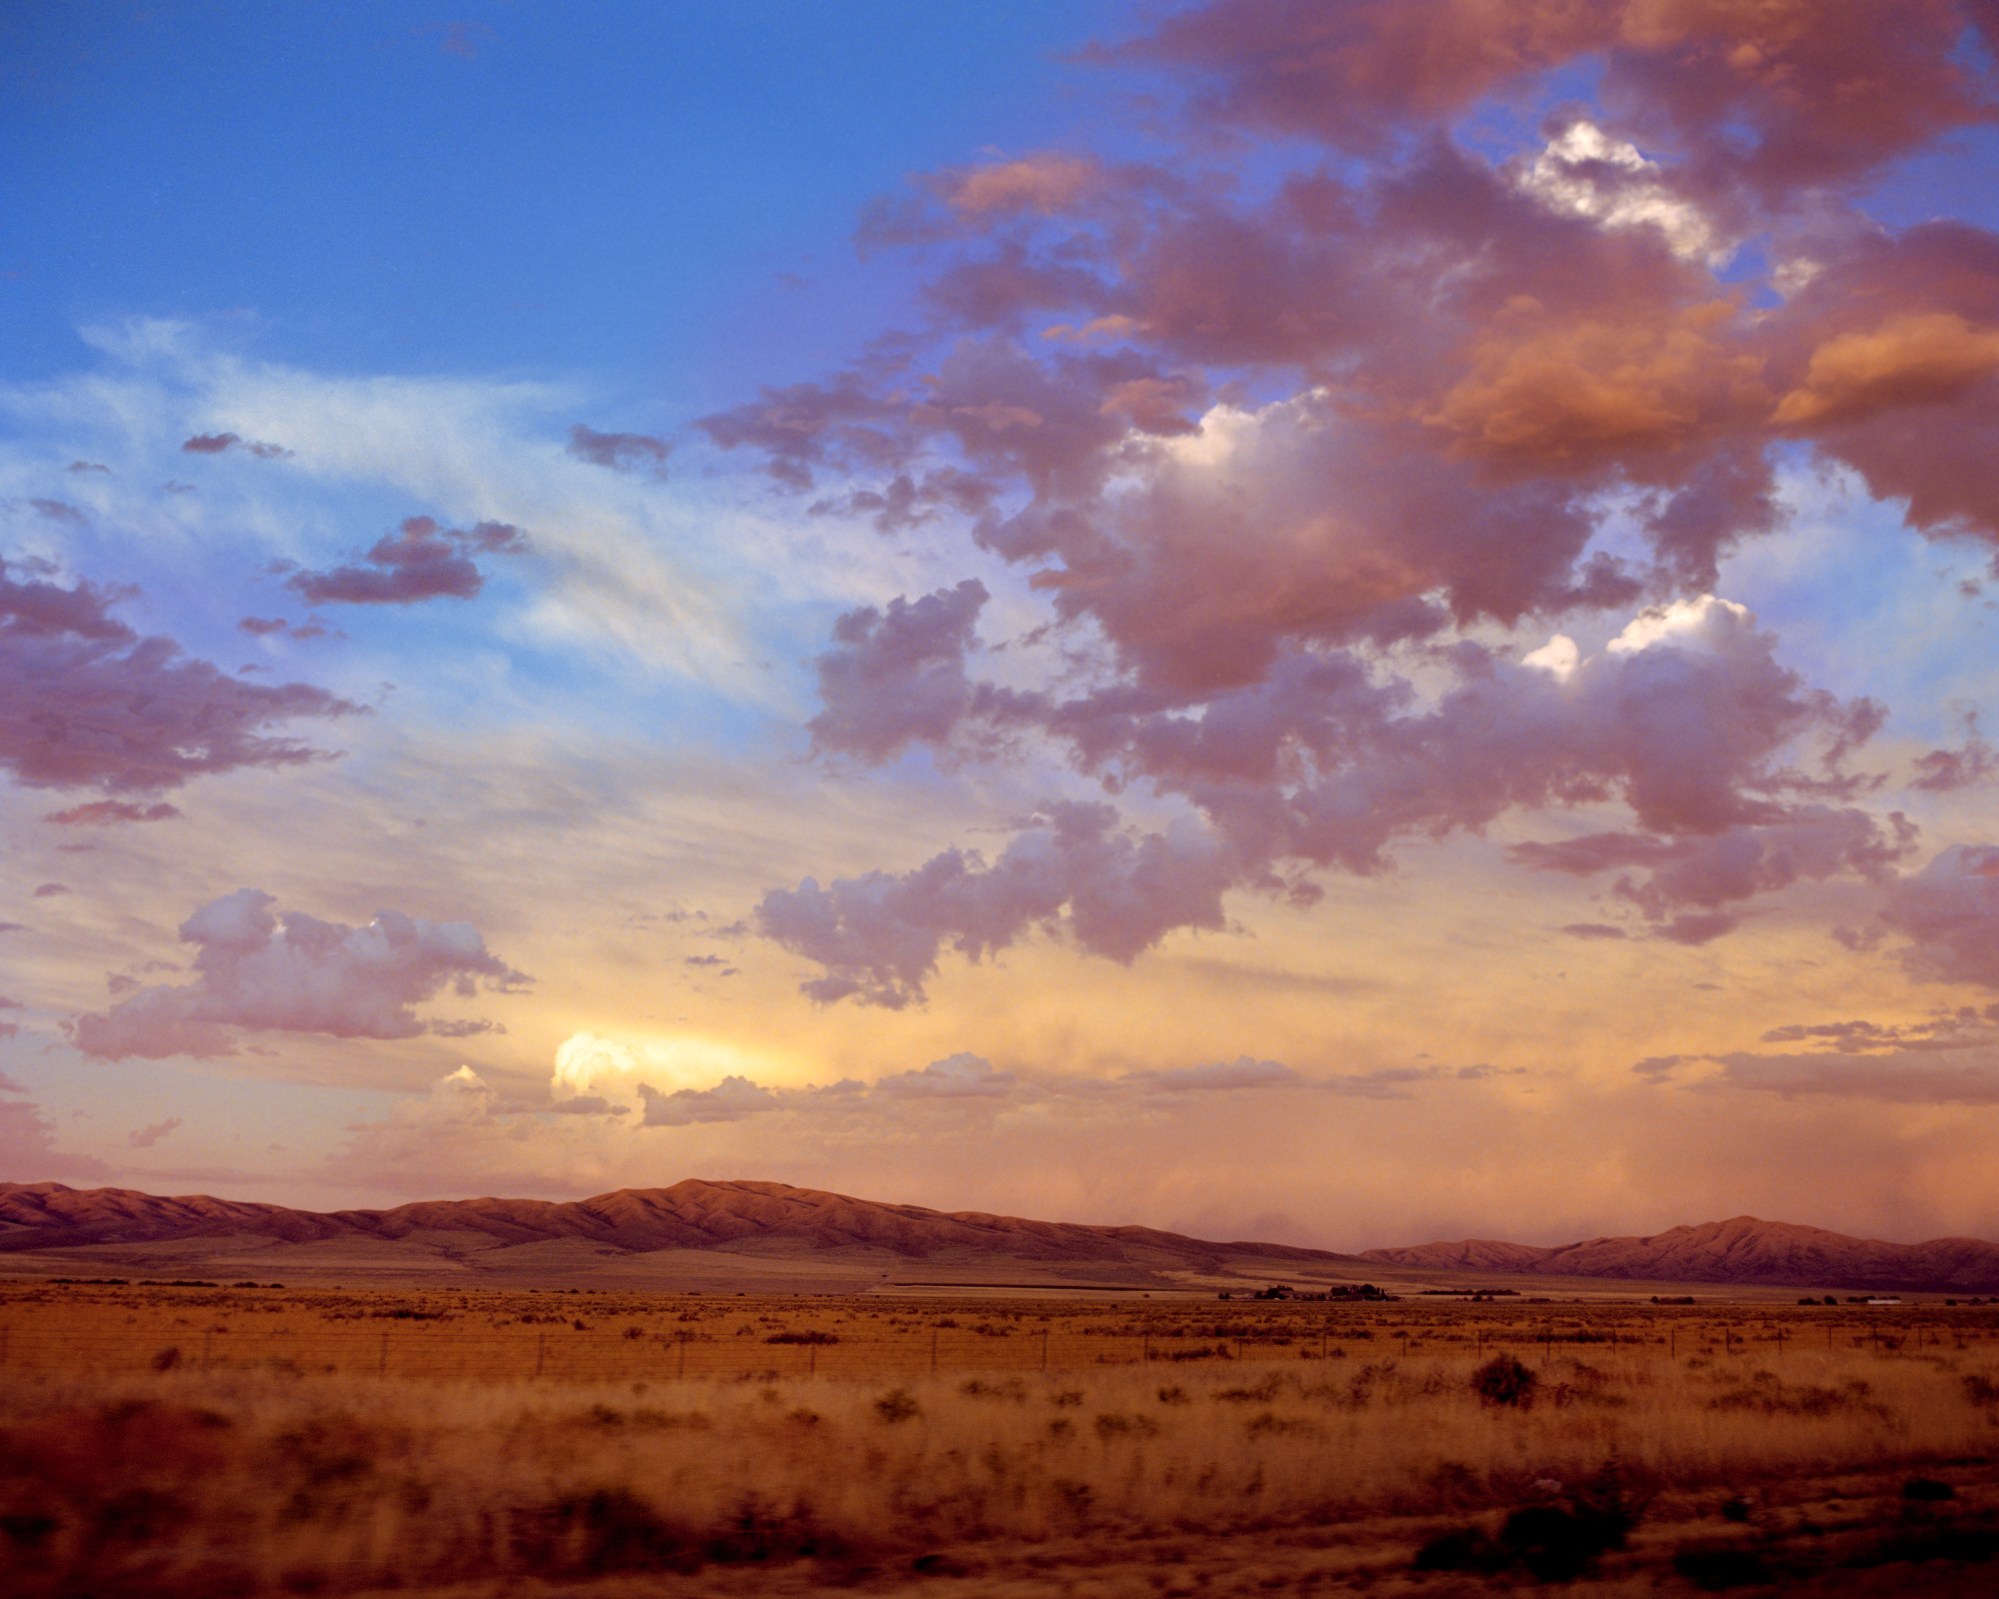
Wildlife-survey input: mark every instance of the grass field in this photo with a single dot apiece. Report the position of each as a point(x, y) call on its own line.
point(196, 1440)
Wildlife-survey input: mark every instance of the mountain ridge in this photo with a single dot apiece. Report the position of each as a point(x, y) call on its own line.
point(1742, 1250)
point(742, 1215)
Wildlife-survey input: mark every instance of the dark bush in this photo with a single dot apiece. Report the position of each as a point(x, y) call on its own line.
point(1715, 1570)
point(1927, 1491)
point(1458, 1549)
point(1502, 1380)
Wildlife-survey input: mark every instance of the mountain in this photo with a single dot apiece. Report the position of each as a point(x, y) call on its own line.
point(1740, 1252)
point(695, 1215)
point(771, 1233)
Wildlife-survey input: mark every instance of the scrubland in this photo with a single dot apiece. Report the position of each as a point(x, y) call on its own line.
point(158, 1440)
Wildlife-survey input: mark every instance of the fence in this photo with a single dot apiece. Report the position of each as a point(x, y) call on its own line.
point(437, 1351)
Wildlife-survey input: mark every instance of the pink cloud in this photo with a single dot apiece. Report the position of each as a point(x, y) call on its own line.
point(258, 970)
point(101, 813)
point(86, 702)
point(424, 560)
point(1756, 95)
point(1949, 912)
point(1269, 447)
point(879, 936)
point(897, 677)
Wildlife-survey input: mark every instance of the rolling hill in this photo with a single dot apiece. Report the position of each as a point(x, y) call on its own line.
point(769, 1233)
point(1738, 1252)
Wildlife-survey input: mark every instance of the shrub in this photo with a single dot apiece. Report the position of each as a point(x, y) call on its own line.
point(898, 1404)
point(1502, 1380)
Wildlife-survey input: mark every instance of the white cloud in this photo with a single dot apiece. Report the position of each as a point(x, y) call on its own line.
point(1584, 172)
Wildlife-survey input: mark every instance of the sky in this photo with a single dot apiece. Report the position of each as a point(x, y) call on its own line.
point(1338, 623)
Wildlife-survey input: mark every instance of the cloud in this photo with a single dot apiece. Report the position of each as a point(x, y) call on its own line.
point(1972, 765)
point(150, 1135)
point(730, 1100)
point(586, 1105)
point(1242, 1072)
point(1760, 98)
point(262, 971)
point(1949, 913)
point(28, 1151)
point(85, 702)
point(102, 813)
point(620, 452)
point(1685, 716)
point(277, 626)
point(222, 443)
point(52, 890)
point(897, 677)
point(879, 936)
point(959, 1076)
point(422, 561)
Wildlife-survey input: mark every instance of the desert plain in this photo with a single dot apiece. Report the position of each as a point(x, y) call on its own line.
point(205, 1437)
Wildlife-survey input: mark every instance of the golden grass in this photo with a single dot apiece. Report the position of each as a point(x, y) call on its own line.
point(262, 1472)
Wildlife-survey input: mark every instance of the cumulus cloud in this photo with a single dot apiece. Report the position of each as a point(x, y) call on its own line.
point(1273, 450)
point(146, 1137)
point(1686, 717)
point(86, 702)
point(879, 936)
point(730, 1100)
point(258, 970)
point(423, 560)
point(959, 1076)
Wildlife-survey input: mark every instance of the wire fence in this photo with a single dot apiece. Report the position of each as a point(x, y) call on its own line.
point(428, 1350)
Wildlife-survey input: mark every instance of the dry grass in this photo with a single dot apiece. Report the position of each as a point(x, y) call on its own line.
point(267, 1474)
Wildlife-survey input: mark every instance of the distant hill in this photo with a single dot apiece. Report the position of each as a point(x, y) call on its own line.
point(770, 1229)
point(1740, 1252)
point(694, 1215)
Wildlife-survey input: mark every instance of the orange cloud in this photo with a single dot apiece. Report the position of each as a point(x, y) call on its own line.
point(1563, 392)
point(1907, 360)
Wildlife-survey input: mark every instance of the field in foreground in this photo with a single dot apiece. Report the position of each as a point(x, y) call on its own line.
point(198, 1440)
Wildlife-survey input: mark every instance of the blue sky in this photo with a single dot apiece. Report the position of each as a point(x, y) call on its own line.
point(659, 199)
